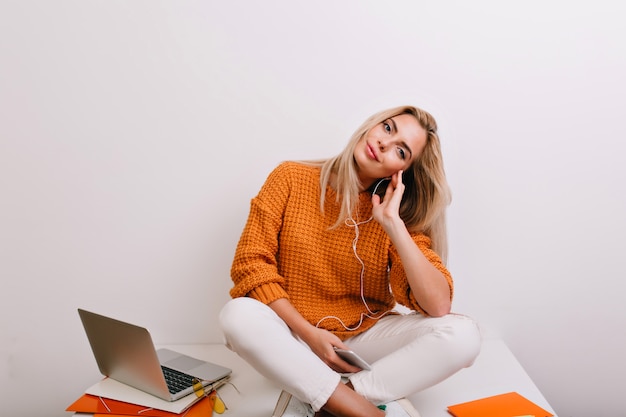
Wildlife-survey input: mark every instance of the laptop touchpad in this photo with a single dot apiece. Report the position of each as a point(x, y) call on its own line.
point(183, 363)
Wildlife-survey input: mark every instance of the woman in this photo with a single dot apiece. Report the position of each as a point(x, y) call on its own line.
point(329, 250)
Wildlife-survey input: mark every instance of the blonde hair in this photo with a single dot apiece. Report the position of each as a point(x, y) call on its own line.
point(426, 194)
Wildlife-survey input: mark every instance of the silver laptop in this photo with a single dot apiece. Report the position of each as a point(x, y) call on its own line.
point(125, 352)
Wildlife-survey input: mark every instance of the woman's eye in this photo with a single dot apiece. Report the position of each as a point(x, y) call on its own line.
point(402, 153)
point(386, 127)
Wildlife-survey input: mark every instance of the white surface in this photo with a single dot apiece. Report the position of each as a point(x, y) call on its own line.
point(496, 371)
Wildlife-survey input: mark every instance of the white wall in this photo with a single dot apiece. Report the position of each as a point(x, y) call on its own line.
point(133, 135)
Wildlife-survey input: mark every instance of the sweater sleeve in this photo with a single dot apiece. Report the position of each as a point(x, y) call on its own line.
point(398, 280)
point(254, 270)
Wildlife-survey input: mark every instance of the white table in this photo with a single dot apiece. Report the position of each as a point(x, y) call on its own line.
point(496, 371)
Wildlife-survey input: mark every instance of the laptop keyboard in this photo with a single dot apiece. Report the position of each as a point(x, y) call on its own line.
point(176, 380)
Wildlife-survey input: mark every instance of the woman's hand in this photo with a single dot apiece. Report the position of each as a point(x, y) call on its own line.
point(323, 344)
point(321, 341)
point(428, 284)
point(387, 211)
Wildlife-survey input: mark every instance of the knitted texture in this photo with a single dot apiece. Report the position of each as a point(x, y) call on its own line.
point(289, 250)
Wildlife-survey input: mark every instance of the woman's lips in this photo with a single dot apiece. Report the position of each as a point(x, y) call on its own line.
point(371, 152)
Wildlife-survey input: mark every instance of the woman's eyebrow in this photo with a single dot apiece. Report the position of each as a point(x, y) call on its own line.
point(403, 143)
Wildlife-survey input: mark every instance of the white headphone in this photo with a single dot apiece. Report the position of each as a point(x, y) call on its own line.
point(350, 222)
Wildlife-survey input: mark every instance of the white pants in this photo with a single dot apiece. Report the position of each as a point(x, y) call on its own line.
point(407, 353)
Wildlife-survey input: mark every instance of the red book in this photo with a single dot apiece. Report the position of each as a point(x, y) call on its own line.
point(100, 406)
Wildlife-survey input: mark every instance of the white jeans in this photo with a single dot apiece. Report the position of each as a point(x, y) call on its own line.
point(407, 353)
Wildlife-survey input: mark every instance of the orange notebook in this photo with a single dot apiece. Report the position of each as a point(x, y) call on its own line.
point(105, 406)
point(505, 405)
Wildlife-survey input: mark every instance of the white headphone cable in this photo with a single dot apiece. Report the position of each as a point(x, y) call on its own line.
point(350, 222)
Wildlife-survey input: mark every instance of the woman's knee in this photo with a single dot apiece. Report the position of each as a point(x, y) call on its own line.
point(244, 321)
point(234, 318)
point(464, 332)
point(233, 310)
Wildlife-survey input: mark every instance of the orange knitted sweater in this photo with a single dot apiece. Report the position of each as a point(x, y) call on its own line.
point(288, 250)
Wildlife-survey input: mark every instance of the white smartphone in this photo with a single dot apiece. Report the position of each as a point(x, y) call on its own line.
point(353, 359)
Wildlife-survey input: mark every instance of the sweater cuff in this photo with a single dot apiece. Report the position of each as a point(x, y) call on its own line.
point(268, 293)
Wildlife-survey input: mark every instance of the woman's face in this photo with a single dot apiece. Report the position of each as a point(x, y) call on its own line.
point(388, 147)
